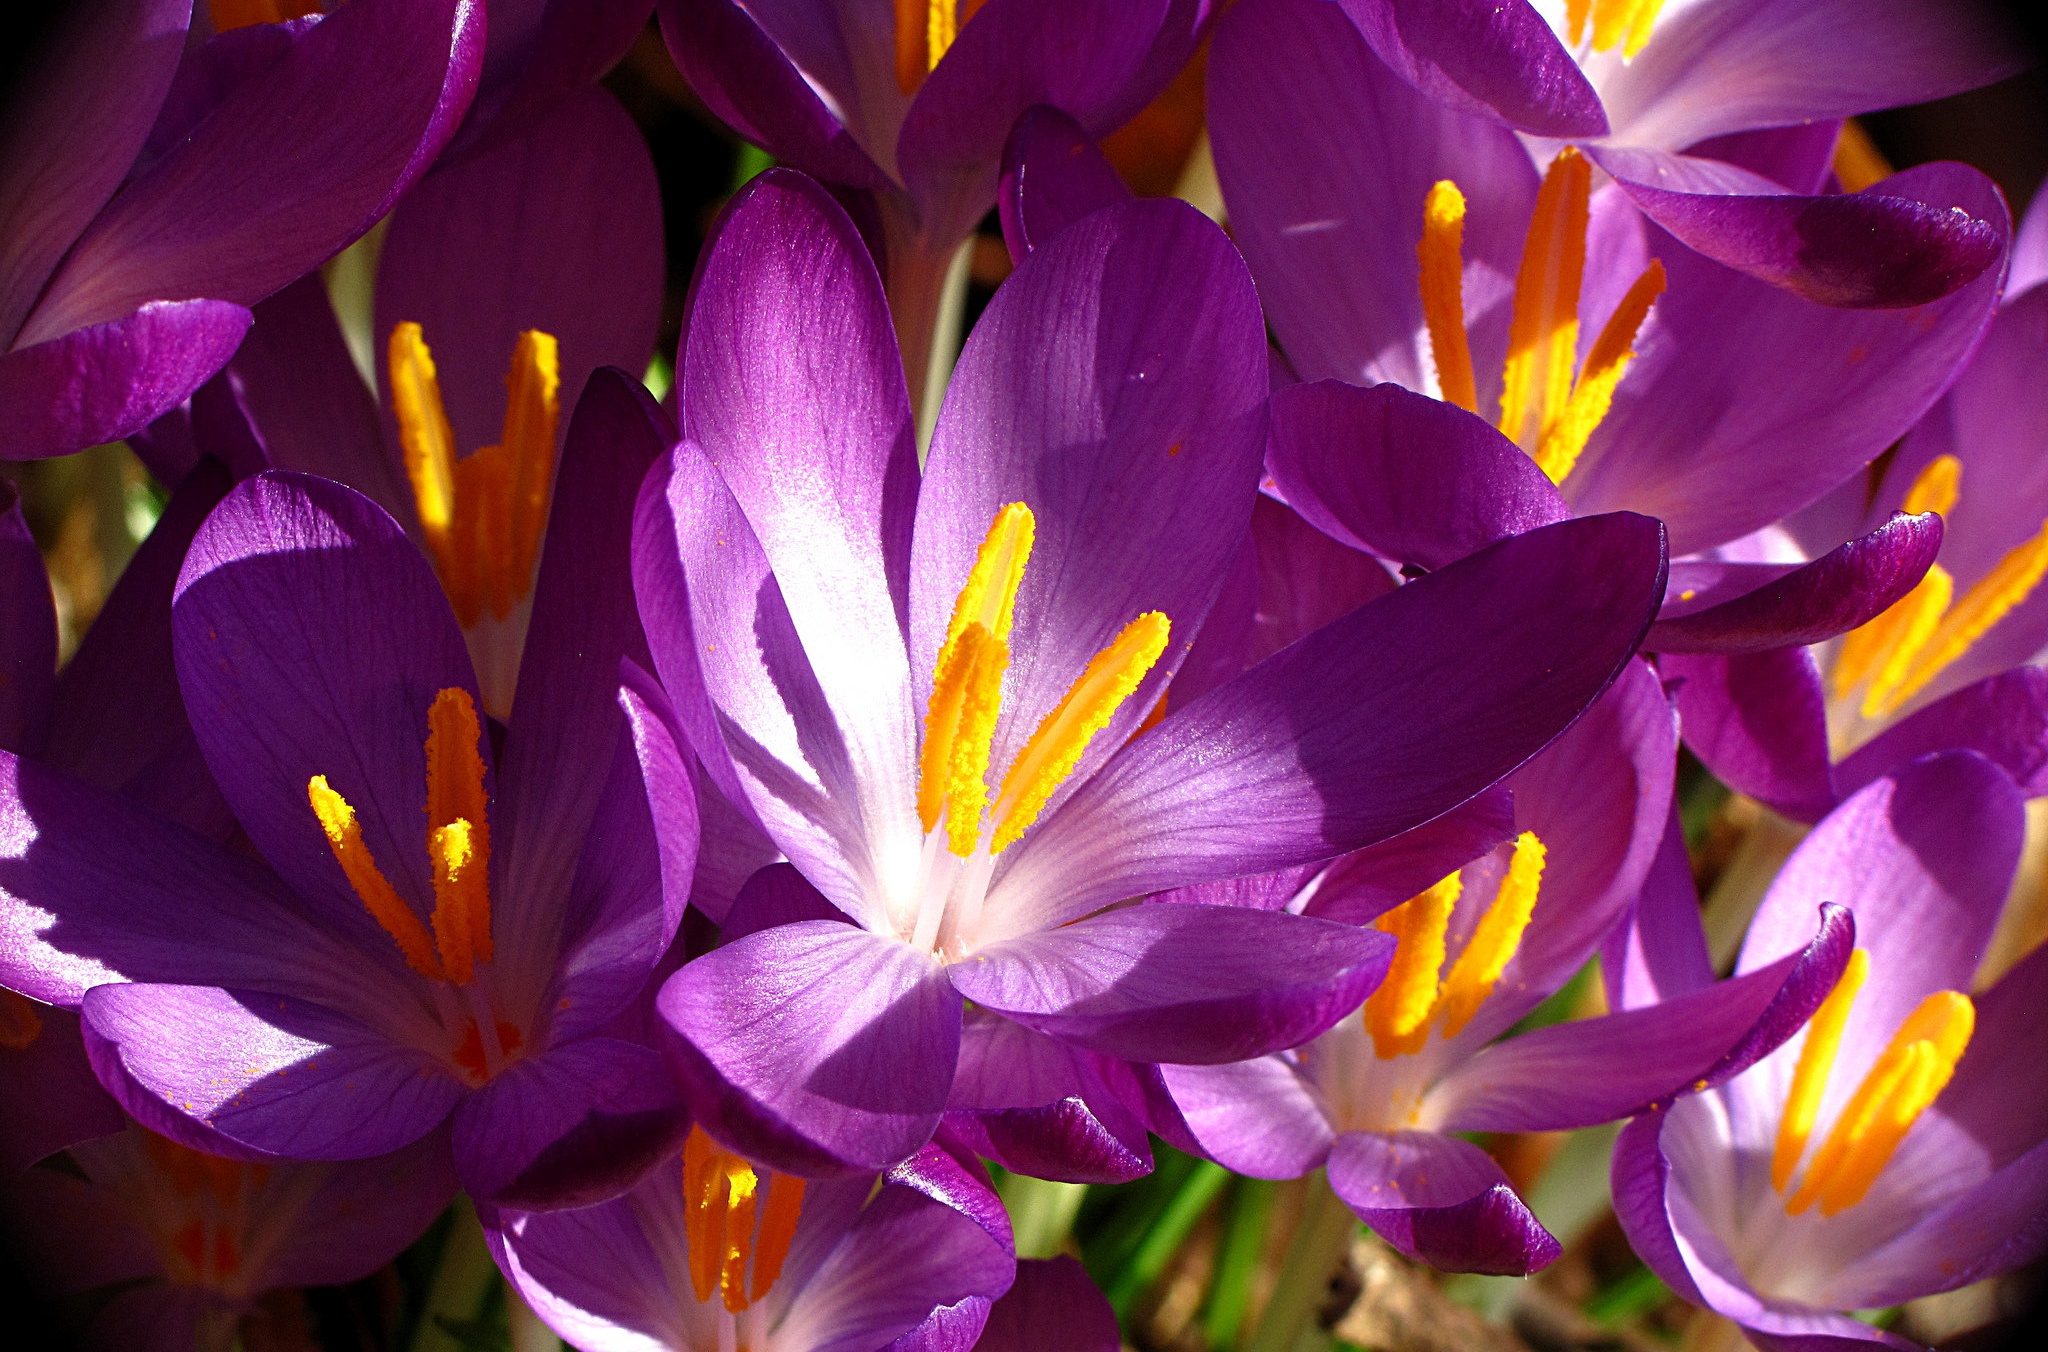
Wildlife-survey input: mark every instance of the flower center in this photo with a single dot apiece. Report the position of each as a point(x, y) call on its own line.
point(953, 797)
point(924, 30)
point(1623, 23)
point(1398, 1014)
point(1898, 1087)
point(200, 1226)
point(459, 846)
point(1897, 655)
point(1542, 408)
point(729, 1217)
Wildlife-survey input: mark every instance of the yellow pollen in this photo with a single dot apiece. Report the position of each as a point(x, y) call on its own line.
point(1543, 335)
point(1496, 937)
point(1058, 742)
point(1441, 254)
point(1622, 23)
point(1858, 161)
point(483, 516)
point(1899, 1086)
point(722, 1202)
point(1816, 1058)
point(1605, 364)
point(1397, 1013)
point(967, 683)
point(458, 843)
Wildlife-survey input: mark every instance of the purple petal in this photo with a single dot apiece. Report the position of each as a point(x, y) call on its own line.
point(1403, 475)
point(298, 161)
point(557, 230)
point(1367, 883)
point(1493, 60)
point(2003, 718)
point(1133, 433)
point(53, 1099)
point(1843, 589)
point(1342, 739)
point(64, 1235)
point(1261, 1117)
point(530, 68)
point(775, 895)
point(1864, 250)
point(1660, 949)
point(1038, 1107)
point(1729, 371)
point(566, 722)
point(573, 1127)
point(753, 87)
point(1440, 1201)
point(28, 661)
point(1759, 722)
point(1799, 158)
point(1200, 984)
point(72, 130)
point(816, 1048)
point(1302, 579)
point(1052, 176)
point(1619, 1065)
point(268, 1072)
point(1325, 157)
point(1051, 1304)
point(312, 638)
point(1990, 1229)
point(363, 1214)
point(1720, 68)
point(104, 381)
point(118, 717)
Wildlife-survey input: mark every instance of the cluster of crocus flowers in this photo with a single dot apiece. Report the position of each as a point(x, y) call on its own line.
point(1233, 702)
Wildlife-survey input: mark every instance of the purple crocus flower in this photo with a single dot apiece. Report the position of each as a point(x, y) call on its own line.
point(1090, 478)
point(452, 917)
point(1398, 241)
point(147, 204)
point(186, 1242)
point(912, 102)
point(1377, 1099)
point(1896, 1149)
point(710, 1251)
point(1661, 94)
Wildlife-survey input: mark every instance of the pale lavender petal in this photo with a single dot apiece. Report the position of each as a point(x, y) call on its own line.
point(1401, 474)
point(2003, 718)
point(104, 381)
point(1051, 1304)
point(1495, 60)
point(1201, 984)
point(270, 1073)
point(1116, 386)
point(1660, 949)
point(71, 131)
point(1052, 176)
point(1799, 158)
point(260, 192)
point(1759, 722)
point(1325, 157)
point(1843, 589)
point(1341, 740)
point(817, 1048)
point(1439, 1200)
point(1261, 1118)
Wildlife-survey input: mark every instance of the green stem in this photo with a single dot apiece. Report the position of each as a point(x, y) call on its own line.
point(1041, 1212)
point(1244, 1238)
point(461, 1289)
point(1320, 1242)
point(1165, 1236)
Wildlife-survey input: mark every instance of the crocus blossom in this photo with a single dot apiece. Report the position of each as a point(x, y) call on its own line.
point(710, 1251)
point(806, 592)
point(1894, 1148)
point(148, 205)
point(450, 920)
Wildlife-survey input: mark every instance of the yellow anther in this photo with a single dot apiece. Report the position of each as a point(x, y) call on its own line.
point(458, 834)
point(738, 1233)
point(1858, 161)
point(703, 1184)
point(1604, 367)
point(20, 1024)
point(1623, 23)
point(1899, 1086)
point(1891, 640)
point(1496, 937)
point(925, 29)
point(1063, 735)
point(967, 682)
point(1936, 487)
point(1397, 1013)
point(483, 516)
point(778, 1227)
point(1988, 601)
point(232, 14)
point(345, 838)
point(1441, 254)
point(1816, 1058)
point(1543, 335)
